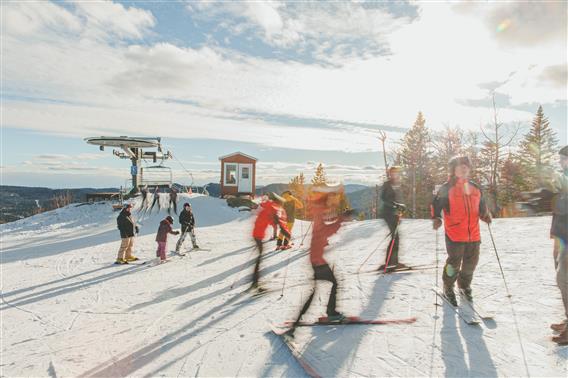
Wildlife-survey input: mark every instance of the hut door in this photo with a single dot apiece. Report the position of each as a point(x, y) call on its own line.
point(245, 178)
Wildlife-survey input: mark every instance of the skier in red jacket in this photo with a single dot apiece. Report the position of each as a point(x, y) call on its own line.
point(323, 200)
point(269, 215)
point(463, 205)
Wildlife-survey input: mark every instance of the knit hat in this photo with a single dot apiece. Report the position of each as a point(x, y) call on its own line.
point(170, 219)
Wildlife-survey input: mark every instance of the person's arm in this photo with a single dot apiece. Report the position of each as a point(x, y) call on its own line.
point(439, 202)
point(484, 213)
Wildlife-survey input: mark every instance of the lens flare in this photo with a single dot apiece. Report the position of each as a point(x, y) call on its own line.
point(504, 25)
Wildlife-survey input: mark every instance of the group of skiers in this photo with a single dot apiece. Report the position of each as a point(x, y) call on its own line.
point(128, 229)
point(458, 204)
point(156, 195)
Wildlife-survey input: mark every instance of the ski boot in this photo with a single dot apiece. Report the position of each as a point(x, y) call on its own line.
point(401, 266)
point(121, 262)
point(195, 246)
point(467, 294)
point(559, 327)
point(561, 339)
point(336, 318)
point(451, 296)
point(132, 258)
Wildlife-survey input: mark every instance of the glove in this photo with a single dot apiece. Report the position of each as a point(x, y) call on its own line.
point(487, 218)
point(176, 232)
point(437, 222)
point(348, 214)
point(399, 206)
point(136, 229)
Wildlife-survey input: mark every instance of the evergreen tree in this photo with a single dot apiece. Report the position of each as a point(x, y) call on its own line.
point(319, 176)
point(298, 188)
point(537, 150)
point(446, 145)
point(415, 158)
point(511, 182)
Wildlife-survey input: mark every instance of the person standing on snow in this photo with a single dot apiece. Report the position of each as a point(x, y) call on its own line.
point(173, 200)
point(392, 211)
point(187, 221)
point(558, 189)
point(127, 227)
point(144, 192)
point(156, 199)
point(290, 205)
point(322, 200)
point(164, 229)
point(267, 216)
point(463, 204)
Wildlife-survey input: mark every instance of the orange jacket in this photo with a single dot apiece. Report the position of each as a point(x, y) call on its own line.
point(463, 204)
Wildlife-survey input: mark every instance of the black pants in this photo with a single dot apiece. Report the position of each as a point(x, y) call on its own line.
point(174, 202)
point(460, 264)
point(256, 275)
point(322, 273)
point(156, 199)
point(392, 222)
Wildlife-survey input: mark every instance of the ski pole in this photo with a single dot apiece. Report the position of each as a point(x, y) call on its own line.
point(285, 273)
point(437, 263)
point(394, 235)
point(306, 234)
point(373, 252)
point(498, 260)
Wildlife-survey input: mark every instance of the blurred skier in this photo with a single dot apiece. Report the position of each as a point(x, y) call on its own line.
point(173, 200)
point(290, 205)
point(323, 200)
point(463, 204)
point(164, 229)
point(392, 211)
point(187, 221)
point(156, 199)
point(127, 226)
point(268, 215)
point(559, 232)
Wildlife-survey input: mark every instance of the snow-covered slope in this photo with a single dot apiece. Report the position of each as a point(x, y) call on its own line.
point(68, 311)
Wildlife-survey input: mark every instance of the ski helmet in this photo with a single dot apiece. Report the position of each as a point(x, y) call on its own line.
point(186, 204)
point(170, 219)
point(563, 151)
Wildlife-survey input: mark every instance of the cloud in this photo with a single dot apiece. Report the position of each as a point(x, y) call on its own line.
point(556, 75)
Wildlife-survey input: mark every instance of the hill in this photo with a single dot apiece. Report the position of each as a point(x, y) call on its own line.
point(68, 311)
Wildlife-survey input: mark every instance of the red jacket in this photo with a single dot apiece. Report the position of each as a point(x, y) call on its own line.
point(163, 231)
point(268, 216)
point(320, 234)
point(463, 204)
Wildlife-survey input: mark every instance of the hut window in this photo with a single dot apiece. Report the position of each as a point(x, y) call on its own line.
point(230, 174)
point(245, 173)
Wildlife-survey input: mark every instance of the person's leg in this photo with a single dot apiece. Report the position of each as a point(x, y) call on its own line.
point(324, 273)
point(128, 251)
point(391, 256)
point(193, 239)
point(469, 263)
point(452, 268)
point(562, 274)
point(122, 248)
point(162, 250)
point(255, 276)
point(290, 226)
point(181, 238)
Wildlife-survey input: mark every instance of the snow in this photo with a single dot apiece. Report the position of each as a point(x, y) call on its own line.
point(68, 311)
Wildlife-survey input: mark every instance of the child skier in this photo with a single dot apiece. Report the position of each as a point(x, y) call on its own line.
point(290, 205)
point(164, 229)
point(267, 216)
point(323, 200)
point(187, 221)
point(464, 205)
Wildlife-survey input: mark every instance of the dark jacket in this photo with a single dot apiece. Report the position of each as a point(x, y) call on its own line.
point(463, 204)
point(186, 219)
point(389, 197)
point(559, 227)
point(126, 224)
point(163, 231)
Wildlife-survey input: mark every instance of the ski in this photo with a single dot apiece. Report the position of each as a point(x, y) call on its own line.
point(476, 308)
point(295, 351)
point(467, 317)
point(323, 321)
point(408, 269)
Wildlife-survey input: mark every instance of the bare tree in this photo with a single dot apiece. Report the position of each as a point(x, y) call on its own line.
point(491, 155)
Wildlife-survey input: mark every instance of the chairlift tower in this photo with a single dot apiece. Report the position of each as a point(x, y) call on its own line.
point(133, 148)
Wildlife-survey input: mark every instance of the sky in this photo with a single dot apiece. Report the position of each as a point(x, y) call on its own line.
point(290, 83)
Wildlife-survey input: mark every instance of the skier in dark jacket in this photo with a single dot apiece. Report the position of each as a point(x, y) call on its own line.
point(187, 221)
point(559, 232)
point(392, 210)
point(164, 229)
point(463, 205)
point(173, 200)
point(127, 228)
point(144, 192)
point(156, 199)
